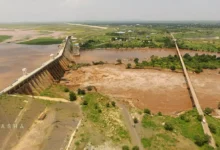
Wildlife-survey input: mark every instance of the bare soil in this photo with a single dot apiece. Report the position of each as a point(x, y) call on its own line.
point(51, 133)
point(19, 35)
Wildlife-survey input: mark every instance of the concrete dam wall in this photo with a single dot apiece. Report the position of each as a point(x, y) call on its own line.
point(51, 71)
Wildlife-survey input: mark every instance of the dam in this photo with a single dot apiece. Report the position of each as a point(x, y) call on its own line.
point(50, 72)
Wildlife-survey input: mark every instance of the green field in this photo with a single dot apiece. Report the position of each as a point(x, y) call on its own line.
point(43, 41)
point(185, 129)
point(4, 37)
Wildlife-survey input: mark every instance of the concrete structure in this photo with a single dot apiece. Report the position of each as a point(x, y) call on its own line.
point(41, 78)
point(194, 97)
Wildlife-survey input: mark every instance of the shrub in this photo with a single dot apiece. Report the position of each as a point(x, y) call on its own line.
point(173, 68)
point(89, 88)
point(125, 147)
point(107, 105)
point(119, 61)
point(128, 66)
point(135, 120)
point(185, 118)
point(135, 148)
point(208, 111)
point(81, 92)
point(160, 114)
point(147, 111)
point(212, 128)
point(66, 89)
point(199, 118)
point(98, 63)
point(136, 60)
point(219, 105)
point(200, 140)
point(85, 102)
point(72, 96)
point(168, 126)
point(113, 104)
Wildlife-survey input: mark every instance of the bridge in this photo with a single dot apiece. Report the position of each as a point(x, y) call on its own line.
point(51, 71)
point(194, 97)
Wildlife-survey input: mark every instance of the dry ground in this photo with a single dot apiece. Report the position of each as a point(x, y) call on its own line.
point(51, 133)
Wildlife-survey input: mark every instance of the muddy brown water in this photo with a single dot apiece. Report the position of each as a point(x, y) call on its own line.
point(14, 57)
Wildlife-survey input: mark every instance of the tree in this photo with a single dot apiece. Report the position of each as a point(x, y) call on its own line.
point(168, 126)
point(199, 118)
point(89, 88)
point(113, 104)
point(66, 89)
point(81, 92)
point(135, 120)
point(135, 148)
point(173, 68)
point(128, 66)
point(72, 96)
point(147, 111)
point(119, 61)
point(136, 60)
point(107, 105)
point(200, 140)
point(212, 128)
point(208, 111)
point(125, 147)
point(160, 114)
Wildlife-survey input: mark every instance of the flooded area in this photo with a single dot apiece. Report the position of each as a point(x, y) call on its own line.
point(160, 91)
point(14, 57)
point(111, 55)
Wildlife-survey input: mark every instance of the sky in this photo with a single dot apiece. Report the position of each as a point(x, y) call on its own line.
point(108, 10)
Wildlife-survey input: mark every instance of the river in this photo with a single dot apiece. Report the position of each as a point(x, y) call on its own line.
point(14, 57)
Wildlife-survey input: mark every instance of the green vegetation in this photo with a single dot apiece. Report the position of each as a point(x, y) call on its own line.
point(208, 111)
point(135, 148)
point(199, 118)
point(146, 142)
point(147, 111)
point(95, 111)
point(194, 63)
point(125, 147)
point(135, 120)
point(55, 91)
point(4, 37)
point(72, 96)
point(43, 41)
point(128, 66)
point(214, 125)
point(81, 92)
point(167, 130)
point(200, 140)
point(168, 126)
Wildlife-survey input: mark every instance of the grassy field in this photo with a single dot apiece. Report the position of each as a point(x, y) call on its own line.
point(4, 37)
point(105, 121)
point(216, 123)
point(153, 35)
point(43, 41)
point(185, 128)
point(55, 91)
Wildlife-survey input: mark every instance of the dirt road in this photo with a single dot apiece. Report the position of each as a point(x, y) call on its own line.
point(135, 138)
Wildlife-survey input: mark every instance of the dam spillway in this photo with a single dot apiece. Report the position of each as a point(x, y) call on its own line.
point(51, 71)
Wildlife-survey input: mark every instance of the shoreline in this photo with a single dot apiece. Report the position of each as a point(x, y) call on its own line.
point(161, 49)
